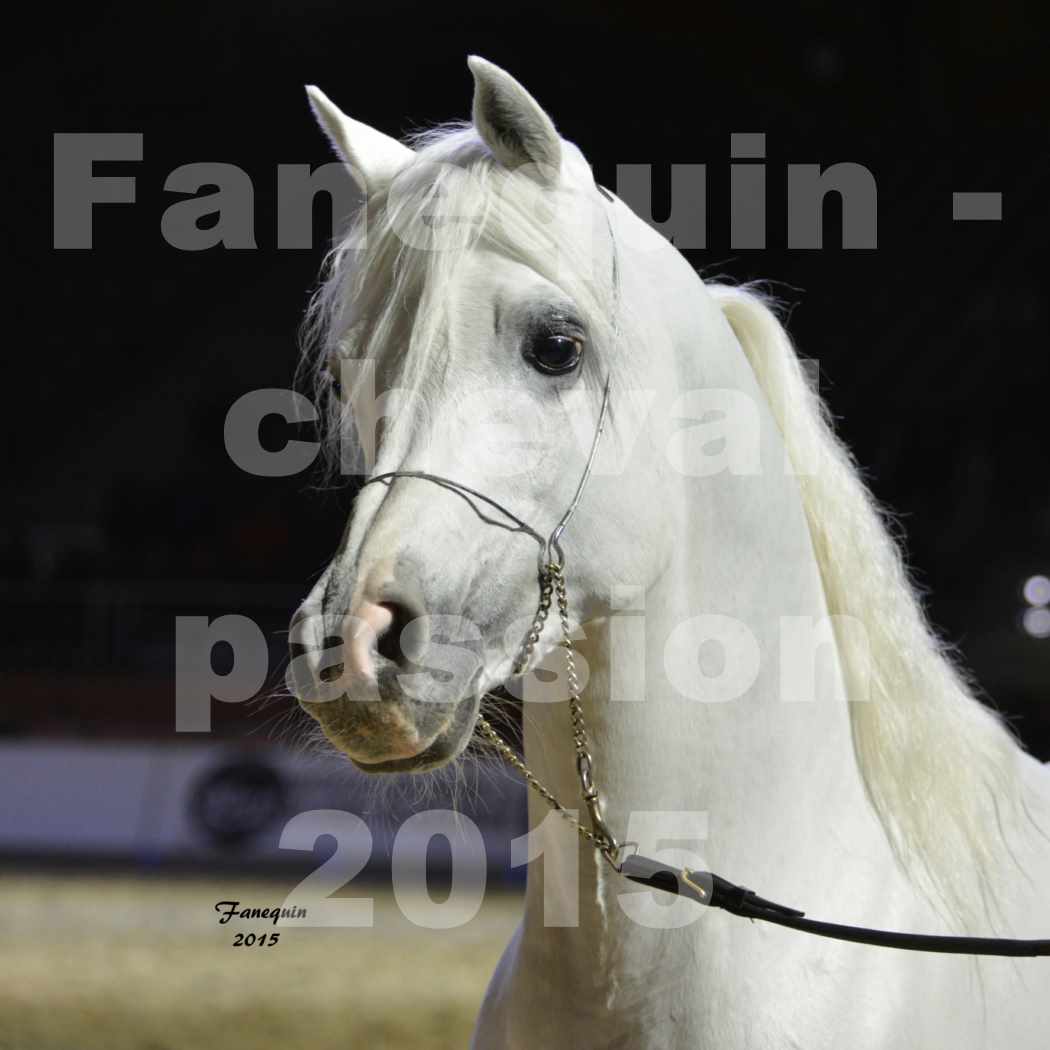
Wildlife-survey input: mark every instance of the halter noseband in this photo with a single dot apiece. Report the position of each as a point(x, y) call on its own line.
point(549, 547)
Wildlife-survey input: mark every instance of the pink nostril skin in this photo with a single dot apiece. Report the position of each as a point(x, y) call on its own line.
point(362, 629)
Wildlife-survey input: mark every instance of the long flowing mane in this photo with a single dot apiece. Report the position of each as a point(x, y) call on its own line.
point(941, 769)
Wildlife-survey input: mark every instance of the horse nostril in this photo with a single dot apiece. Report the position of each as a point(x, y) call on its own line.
point(380, 629)
point(333, 672)
point(389, 642)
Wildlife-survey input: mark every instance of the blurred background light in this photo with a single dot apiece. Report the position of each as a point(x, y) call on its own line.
point(1036, 590)
point(1036, 622)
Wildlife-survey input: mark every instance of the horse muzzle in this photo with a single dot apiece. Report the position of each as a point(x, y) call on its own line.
point(383, 689)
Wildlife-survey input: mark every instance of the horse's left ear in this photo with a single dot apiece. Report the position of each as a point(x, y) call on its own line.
point(512, 124)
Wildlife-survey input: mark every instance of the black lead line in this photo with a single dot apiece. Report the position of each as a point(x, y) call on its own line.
point(712, 890)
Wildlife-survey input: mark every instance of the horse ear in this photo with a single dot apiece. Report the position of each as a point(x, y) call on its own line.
point(512, 124)
point(372, 157)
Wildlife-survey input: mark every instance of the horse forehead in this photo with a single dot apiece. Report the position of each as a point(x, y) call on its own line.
point(493, 269)
point(496, 283)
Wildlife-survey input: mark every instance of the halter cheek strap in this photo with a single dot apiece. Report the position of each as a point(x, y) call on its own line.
point(550, 546)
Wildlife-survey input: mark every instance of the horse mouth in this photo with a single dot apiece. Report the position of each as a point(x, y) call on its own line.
point(447, 745)
point(455, 739)
point(380, 735)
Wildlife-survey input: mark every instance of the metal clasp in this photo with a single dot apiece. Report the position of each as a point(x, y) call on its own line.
point(583, 768)
point(594, 802)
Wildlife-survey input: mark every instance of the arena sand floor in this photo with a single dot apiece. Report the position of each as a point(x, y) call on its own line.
point(91, 962)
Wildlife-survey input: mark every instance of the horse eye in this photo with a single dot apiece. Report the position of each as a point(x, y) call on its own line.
point(553, 354)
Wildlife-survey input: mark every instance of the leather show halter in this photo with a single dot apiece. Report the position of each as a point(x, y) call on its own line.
point(704, 887)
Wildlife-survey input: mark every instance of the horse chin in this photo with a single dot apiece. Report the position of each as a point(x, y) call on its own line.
point(374, 754)
point(444, 748)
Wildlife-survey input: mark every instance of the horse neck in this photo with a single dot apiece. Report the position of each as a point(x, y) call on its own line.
point(751, 785)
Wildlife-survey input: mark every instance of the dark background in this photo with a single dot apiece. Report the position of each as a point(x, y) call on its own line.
point(121, 508)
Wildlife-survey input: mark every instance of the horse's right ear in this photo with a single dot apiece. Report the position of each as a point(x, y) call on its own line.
point(372, 158)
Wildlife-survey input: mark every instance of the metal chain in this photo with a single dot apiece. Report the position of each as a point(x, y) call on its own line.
point(552, 585)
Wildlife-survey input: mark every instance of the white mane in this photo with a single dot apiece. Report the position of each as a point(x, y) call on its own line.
point(940, 768)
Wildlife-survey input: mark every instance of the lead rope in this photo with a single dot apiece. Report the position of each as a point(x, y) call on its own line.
point(703, 887)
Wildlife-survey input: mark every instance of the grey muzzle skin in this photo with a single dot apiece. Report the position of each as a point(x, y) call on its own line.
point(369, 691)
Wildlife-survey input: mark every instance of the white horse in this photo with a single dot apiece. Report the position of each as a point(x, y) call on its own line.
point(763, 695)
